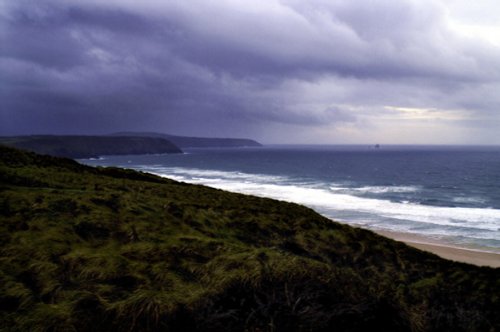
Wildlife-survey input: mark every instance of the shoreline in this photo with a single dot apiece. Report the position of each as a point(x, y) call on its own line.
point(444, 250)
point(463, 255)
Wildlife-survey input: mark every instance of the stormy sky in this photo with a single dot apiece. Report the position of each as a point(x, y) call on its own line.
point(289, 71)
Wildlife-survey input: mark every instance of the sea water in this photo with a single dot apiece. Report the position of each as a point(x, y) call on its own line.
point(445, 193)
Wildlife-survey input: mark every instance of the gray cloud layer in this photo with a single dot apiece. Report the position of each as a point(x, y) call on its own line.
point(340, 71)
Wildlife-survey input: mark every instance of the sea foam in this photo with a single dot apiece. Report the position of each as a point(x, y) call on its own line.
point(336, 202)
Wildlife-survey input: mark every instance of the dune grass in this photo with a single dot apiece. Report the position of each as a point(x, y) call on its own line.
point(102, 249)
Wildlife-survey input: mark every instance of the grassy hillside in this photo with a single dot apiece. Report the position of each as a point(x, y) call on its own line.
point(198, 142)
point(103, 249)
point(90, 146)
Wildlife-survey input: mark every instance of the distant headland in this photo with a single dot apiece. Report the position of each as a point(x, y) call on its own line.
point(90, 146)
point(83, 146)
point(196, 142)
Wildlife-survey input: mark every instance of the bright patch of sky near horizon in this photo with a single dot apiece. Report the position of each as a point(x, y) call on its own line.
point(290, 71)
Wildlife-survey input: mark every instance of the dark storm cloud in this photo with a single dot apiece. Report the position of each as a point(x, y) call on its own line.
point(231, 67)
point(390, 40)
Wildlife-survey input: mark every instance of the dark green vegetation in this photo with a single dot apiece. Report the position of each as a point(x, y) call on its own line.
point(90, 146)
point(198, 142)
point(103, 249)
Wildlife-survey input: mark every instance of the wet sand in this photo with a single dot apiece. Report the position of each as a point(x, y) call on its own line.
point(471, 256)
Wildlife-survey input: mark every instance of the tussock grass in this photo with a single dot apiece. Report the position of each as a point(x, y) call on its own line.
point(103, 249)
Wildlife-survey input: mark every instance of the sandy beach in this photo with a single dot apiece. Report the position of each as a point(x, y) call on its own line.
point(464, 255)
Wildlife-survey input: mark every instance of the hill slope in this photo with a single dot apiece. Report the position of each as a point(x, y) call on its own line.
point(90, 146)
point(198, 142)
point(100, 249)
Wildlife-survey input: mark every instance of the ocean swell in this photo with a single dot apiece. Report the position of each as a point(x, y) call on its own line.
point(342, 203)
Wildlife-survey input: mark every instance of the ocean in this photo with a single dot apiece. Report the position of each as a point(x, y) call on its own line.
point(449, 194)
